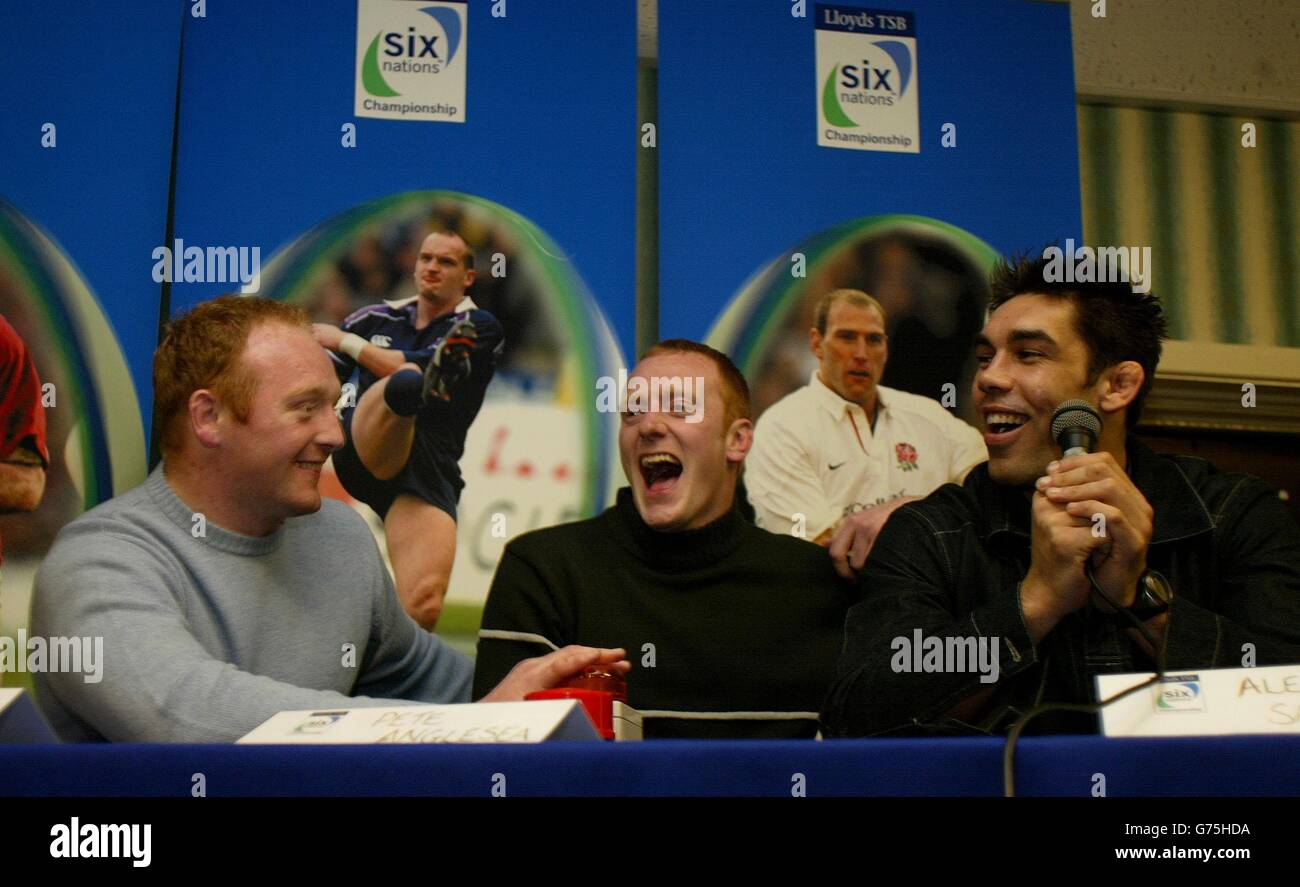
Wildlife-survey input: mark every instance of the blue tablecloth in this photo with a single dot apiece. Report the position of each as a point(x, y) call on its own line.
point(1241, 765)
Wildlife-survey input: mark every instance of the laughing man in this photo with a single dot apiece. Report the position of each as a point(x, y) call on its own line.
point(733, 630)
point(224, 588)
point(1207, 563)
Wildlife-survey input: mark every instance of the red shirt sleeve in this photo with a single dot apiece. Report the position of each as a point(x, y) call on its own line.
point(22, 418)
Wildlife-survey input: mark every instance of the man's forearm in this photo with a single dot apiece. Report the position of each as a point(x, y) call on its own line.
point(1039, 622)
point(968, 711)
point(894, 687)
point(496, 657)
point(1195, 636)
point(876, 699)
point(381, 361)
point(21, 487)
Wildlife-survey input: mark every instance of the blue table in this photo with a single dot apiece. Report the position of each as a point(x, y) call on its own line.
point(1241, 765)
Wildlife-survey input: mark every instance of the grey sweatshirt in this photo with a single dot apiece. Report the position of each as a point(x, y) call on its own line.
point(205, 638)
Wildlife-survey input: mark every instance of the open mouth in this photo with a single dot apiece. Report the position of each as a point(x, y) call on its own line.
point(1002, 426)
point(660, 472)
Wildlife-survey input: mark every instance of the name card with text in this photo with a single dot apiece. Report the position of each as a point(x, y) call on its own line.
point(1205, 702)
point(483, 722)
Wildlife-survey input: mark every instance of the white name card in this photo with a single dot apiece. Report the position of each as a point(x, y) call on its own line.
point(1205, 702)
point(20, 720)
point(482, 722)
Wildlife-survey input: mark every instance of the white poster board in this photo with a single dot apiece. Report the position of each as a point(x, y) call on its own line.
point(1205, 702)
point(482, 722)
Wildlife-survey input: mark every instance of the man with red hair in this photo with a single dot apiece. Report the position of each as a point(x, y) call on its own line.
point(224, 588)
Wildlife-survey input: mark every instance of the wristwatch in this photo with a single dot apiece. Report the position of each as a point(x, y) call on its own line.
point(1154, 596)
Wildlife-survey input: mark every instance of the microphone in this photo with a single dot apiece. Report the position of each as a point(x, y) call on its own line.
point(1076, 426)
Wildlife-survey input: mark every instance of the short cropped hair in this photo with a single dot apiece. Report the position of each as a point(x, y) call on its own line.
point(856, 298)
point(1116, 323)
point(467, 254)
point(204, 348)
point(736, 395)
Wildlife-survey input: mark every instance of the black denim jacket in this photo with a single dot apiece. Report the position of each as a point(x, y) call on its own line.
point(952, 563)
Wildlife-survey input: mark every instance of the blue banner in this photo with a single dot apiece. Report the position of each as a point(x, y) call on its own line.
point(320, 144)
point(89, 93)
point(806, 147)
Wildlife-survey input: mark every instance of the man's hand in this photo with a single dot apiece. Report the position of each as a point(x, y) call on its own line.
point(1067, 535)
point(327, 335)
point(858, 532)
point(544, 672)
point(1055, 585)
point(1095, 484)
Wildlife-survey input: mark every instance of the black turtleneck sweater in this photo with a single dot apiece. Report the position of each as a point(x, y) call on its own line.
point(732, 631)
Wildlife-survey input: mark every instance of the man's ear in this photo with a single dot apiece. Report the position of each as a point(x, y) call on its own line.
point(740, 437)
point(205, 417)
point(1120, 384)
point(815, 342)
point(470, 275)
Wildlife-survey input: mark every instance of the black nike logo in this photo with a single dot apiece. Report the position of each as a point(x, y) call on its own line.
point(833, 467)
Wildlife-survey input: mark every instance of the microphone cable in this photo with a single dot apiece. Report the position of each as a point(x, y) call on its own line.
point(1009, 749)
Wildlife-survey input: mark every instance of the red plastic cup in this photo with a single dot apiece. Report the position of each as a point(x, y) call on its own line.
point(599, 677)
point(599, 705)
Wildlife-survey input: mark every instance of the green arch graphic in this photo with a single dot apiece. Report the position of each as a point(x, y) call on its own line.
point(106, 447)
point(371, 78)
point(593, 350)
point(746, 328)
point(831, 109)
